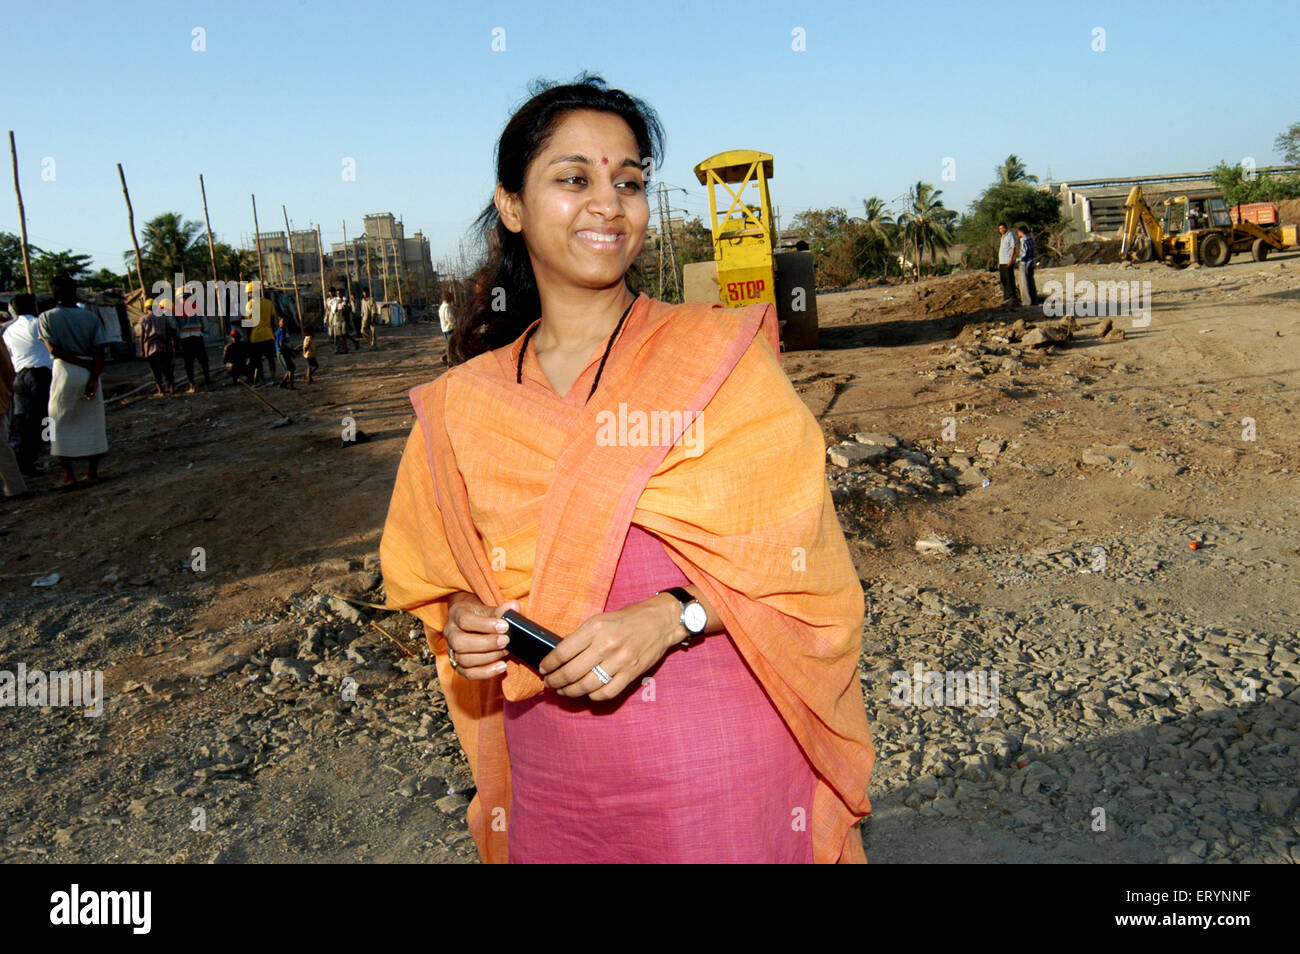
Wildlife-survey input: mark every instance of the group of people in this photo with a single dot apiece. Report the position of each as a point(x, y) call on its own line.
point(164, 332)
point(50, 367)
point(341, 320)
point(1016, 259)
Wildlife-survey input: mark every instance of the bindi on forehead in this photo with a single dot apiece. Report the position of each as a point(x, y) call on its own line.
point(604, 160)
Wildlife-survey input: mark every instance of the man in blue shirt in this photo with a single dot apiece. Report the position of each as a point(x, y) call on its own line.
point(1025, 268)
point(284, 354)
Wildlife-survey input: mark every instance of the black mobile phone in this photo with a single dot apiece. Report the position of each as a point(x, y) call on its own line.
point(530, 642)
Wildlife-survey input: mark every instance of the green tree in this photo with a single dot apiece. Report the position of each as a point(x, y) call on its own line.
point(1288, 145)
point(104, 280)
point(48, 264)
point(1015, 203)
point(1238, 185)
point(232, 263)
point(877, 219)
point(12, 276)
point(1013, 170)
point(826, 231)
point(880, 235)
point(926, 224)
point(169, 243)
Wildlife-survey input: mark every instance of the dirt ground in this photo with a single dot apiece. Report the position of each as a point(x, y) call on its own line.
point(229, 733)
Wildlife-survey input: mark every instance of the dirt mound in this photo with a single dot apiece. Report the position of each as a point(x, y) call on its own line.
point(1288, 212)
point(1104, 252)
point(958, 294)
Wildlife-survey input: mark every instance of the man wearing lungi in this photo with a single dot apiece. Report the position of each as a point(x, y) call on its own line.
point(76, 340)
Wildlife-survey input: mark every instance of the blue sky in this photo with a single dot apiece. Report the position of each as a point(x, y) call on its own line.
point(414, 92)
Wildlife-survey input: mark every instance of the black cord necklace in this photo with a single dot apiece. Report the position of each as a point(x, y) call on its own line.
point(519, 372)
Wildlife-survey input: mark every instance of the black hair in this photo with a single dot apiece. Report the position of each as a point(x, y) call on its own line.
point(1022, 228)
point(1002, 225)
point(23, 304)
point(63, 289)
point(506, 265)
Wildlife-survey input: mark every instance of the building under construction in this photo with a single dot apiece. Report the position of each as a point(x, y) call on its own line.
point(382, 256)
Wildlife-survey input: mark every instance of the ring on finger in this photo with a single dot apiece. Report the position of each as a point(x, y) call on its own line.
point(604, 677)
point(451, 654)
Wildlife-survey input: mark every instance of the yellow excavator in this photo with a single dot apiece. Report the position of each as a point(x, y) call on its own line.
point(1195, 229)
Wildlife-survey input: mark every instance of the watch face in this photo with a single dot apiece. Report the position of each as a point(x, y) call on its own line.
point(695, 618)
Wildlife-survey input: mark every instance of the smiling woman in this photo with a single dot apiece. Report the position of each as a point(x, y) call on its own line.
point(634, 739)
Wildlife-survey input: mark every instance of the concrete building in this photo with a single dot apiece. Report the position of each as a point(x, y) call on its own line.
point(275, 256)
point(404, 256)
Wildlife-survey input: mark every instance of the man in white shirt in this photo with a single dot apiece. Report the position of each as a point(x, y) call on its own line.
point(448, 323)
point(1006, 260)
point(329, 315)
point(338, 321)
point(33, 367)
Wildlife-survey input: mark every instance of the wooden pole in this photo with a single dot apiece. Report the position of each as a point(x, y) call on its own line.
point(347, 263)
point(370, 282)
point(22, 217)
point(257, 240)
point(293, 265)
point(212, 257)
point(383, 261)
point(130, 219)
point(321, 256)
point(424, 267)
point(397, 271)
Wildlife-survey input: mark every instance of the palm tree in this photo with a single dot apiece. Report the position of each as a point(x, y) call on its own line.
point(1013, 170)
point(878, 220)
point(878, 231)
point(926, 224)
point(167, 242)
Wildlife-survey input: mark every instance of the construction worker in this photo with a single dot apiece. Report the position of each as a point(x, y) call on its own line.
point(157, 335)
point(189, 325)
point(261, 332)
point(236, 358)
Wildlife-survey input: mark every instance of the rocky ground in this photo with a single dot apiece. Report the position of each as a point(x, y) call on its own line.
point(1088, 525)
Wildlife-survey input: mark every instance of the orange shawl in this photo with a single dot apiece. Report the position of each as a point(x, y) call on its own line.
point(505, 492)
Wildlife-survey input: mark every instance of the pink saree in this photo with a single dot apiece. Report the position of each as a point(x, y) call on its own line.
point(691, 764)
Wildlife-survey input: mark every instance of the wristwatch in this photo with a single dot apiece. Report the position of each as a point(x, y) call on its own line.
point(694, 616)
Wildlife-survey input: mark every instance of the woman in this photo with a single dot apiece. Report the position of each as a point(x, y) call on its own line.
point(575, 467)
